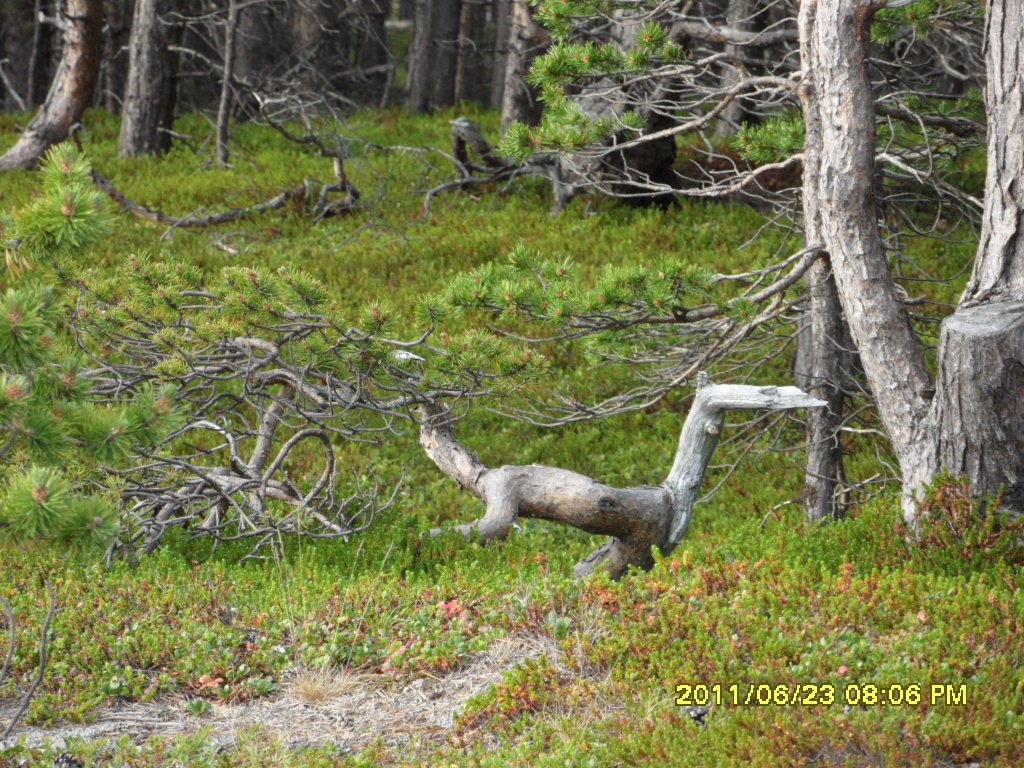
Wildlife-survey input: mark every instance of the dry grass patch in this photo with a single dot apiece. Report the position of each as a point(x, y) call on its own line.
point(318, 685)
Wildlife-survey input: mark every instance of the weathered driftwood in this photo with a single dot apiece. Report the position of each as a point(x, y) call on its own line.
point(637, 518)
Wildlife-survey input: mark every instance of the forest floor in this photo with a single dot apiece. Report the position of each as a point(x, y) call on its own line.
point(346, 712)
point(446, 652)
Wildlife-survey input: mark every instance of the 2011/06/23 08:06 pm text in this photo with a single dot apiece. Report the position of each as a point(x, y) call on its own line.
point(823, 694)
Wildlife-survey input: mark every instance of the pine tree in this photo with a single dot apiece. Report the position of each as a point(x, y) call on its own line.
point(55, 435)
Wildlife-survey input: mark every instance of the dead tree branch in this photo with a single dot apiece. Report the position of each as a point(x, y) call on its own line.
point(636, 518)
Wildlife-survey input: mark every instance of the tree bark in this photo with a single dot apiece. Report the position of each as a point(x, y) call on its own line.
point(16, 29)
point(738, 15)
point(470, 81)
point(820, 358)
point(71, 91)
point(226, 83)
point(999, 269)
point(836, 96)
point(637, 519)
point(526, 40)
point(419, 57)
point(976, 424)
point(149, 99)
point(502, 12)
point(445, 52)
point(114, 69)
point(971, 422)
point(39, 59)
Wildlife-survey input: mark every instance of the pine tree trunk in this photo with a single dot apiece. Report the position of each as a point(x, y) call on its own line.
point(527, 39)
point(501, 11)
point(419, 78)
point(374, 49)
point(976, 427)
point(445, 53)
point(71, 91)
point(17, 31)
point(151, 81)
point(114, 69)
point(971, 423)
point(40, 54)
point(226, 82)
point(739, 15)
point(470, 81)
point(836, 96)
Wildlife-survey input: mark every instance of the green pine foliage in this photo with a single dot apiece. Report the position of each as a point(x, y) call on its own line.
point(570, 63)
point(55, 436)
point(772, 141)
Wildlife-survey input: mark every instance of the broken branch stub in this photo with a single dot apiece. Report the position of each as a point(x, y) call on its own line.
point(636, 518)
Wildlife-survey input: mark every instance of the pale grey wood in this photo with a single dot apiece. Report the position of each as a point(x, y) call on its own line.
point(636, 518)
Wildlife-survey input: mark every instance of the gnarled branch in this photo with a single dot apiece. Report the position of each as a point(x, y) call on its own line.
point(636, 518)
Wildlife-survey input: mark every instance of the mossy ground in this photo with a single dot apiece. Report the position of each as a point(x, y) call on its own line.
point(754, 594)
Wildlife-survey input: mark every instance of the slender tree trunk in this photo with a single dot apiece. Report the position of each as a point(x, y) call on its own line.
point(226, 83)
point(836, 96)
point(374, 49)
point(17, 31)
point(114, 70)
point(40, 54)
point(151, 71)
point(306, 36)
point(445, 54)
point(470, 82)
point(527, 39)
point(739, 15)
point(419, 79)
point(820, 358)
point(72, 88)
point(502, 13)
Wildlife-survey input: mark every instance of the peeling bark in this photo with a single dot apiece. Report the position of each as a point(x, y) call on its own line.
point(71, 91)
point(637, 518)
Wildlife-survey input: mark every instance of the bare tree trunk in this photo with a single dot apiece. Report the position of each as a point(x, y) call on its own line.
point(502, 13)
point(738, 15)
point(148, 102)
point(226, 83)
point(973, 424)
point(445, 53)
point(527, 39)
point(114, 69)
point(40, 54)
point(374, 48)
point(306, 36)
point(420, 58)
point(999, 269)
point(836, 95)
point(470, 83)
point(17, 29)
point(976, 426)
point(71, 91)
point(637, 519)
point(820, 359)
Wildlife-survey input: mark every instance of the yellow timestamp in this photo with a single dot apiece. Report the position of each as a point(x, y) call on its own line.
point(820, 695)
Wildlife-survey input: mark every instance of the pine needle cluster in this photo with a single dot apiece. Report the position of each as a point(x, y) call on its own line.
point(55, 435)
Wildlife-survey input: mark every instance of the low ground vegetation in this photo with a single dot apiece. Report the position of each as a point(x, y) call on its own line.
point(753, 596)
